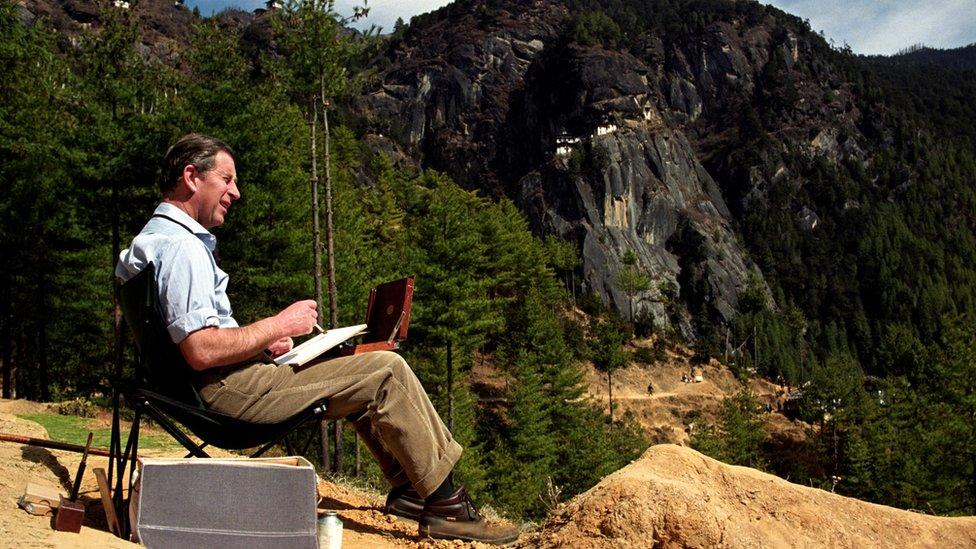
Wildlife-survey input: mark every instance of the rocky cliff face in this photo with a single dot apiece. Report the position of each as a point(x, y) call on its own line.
point(644, 149)
point(165, 25)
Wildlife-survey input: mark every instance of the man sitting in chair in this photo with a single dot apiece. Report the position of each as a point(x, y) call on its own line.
point(396, 419)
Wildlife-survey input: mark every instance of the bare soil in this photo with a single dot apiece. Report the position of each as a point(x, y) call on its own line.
point(675, 497)
point(364, 525)
point(666, 407)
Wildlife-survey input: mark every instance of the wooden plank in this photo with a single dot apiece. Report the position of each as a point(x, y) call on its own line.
point(110, 515)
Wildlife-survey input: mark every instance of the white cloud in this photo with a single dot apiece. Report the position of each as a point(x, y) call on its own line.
point(886, 26)
point(384, 13)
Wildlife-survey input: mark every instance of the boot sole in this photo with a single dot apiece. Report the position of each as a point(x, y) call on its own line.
point(426, 533)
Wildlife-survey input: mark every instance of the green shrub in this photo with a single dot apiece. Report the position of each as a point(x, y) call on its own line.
point(651, 355)
point(80, 407)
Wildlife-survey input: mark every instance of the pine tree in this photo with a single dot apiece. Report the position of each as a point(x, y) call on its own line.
point(563, 259)
point(632, 281)
point(112, 81)
point(315, 56)
point(737, 436)
point(525, 462)
point(608, 353)
point(41, 235)
point(950, 409)
point(452, 306)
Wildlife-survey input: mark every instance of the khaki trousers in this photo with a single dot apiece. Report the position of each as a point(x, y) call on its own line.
point(398, 423)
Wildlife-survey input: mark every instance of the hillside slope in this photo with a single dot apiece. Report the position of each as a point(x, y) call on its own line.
point(667, 408)
point(675, 497)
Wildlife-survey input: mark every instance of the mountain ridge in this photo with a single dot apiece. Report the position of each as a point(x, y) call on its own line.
point(670, 97)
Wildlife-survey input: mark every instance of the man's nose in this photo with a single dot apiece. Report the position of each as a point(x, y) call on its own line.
point(234, 191)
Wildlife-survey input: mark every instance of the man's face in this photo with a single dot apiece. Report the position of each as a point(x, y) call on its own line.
point(215, 190)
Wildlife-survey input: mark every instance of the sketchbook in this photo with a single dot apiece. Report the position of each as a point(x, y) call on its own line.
point(319, 345)
point(387, 322)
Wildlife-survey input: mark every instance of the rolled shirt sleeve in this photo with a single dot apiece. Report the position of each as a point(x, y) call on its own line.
point(192, 288)
point(187, 278)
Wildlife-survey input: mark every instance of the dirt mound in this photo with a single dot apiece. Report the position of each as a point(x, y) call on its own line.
point(675, 497)
point(21, 406)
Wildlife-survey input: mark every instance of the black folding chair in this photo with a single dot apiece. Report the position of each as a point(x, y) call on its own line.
point(161, 387)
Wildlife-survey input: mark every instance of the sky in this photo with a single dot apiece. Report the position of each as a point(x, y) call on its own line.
point(869, 26)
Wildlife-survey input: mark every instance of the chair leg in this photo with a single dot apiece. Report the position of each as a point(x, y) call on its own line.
point(194, 449)
point(308, 442)
point(121, 498)
point(116, 461)
point(288, 446)
point(202, 446)
point(264, 448)
point(115, 444)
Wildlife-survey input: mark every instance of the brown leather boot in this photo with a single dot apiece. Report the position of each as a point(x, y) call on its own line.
point(455, 517)
point(408, 504)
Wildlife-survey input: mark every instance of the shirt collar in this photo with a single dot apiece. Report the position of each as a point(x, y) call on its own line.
point(169, 210)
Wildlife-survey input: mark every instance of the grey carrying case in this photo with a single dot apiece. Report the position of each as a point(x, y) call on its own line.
point(232, 503)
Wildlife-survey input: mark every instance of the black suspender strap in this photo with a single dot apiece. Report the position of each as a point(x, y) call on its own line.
point(189, 230)
point(164, 216)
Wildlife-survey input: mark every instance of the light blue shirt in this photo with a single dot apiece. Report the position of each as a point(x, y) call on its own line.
point(192, 288)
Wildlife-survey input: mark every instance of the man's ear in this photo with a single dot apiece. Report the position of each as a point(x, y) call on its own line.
point(190, 175)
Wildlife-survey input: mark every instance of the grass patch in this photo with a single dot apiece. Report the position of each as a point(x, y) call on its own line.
point(74, 430)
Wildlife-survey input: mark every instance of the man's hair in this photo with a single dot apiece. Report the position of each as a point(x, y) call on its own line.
point(192, 149)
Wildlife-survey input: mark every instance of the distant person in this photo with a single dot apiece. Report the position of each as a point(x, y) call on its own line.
point(396, 419)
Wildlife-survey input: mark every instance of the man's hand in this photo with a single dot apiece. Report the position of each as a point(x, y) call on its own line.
point(212, 347)
point(298, 319)
point(281, 347)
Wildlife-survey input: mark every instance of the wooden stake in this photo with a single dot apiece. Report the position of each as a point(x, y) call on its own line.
point(110, 515)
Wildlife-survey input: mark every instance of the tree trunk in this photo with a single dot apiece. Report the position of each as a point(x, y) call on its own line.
point(116, 306)
point(337, 446)
point(116, 246)
point(572, 284)
point(330, 256)
point(450, 389)
point(317, 259)
point(5, 344)
point(358, 462)
point(324, 437)
point(316, 231)
point(329, 233)
point(42, 365)
point(610, 394)
point(755, 348)
point(25, 385)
